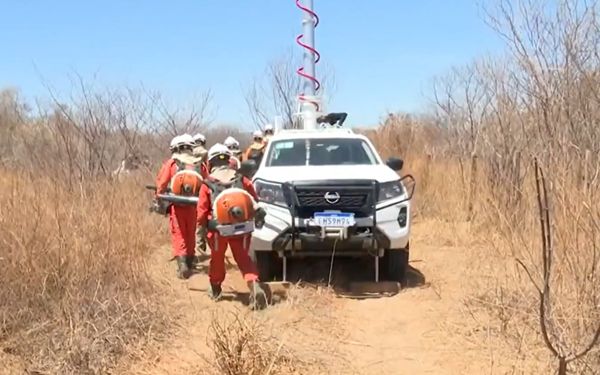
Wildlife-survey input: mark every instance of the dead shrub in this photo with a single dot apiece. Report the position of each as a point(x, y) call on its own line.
point(75, 293)
point(242, 344)
point(495, 116)
point(299, 336)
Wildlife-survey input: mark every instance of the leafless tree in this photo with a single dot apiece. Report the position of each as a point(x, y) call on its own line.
point(540, 100)
point(178, 120)
point(88, 132)
point(556, 337)
point(13, 115)
point(464, 101)
point(276, 92)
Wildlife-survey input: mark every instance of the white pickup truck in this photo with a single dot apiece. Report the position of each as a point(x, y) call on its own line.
point(328, 192)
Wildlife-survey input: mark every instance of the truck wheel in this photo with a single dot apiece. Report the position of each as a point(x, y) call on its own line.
point(395, 264)
point(267, 264)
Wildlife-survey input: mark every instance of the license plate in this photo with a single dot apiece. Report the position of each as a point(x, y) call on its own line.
point(334, 219)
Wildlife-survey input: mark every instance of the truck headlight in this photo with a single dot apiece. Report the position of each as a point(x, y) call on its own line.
point(269, 192)
point(390, 190)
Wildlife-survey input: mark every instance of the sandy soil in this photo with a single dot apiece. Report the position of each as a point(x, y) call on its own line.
point(421, 330)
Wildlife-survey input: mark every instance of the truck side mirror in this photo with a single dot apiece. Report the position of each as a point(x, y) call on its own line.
point(395, 163)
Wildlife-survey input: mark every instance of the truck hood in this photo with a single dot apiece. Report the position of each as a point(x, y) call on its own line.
point(380, 172)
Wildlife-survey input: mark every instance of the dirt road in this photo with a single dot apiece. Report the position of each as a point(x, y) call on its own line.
point(417, 331)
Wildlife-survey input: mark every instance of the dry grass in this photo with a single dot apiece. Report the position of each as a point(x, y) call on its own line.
point(503, 307)
point(541, 102)
point(75, 294)
point(243, 345)
point(298, 336)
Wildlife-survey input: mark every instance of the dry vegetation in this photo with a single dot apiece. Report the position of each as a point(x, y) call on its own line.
point(475, 163)
point(75, 292)
point(74, 289)
point(299, 336)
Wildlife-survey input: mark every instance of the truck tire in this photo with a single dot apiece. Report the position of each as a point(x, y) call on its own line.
point(395, 265)
point(267, 264)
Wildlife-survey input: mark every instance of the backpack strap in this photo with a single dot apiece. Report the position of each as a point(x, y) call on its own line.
point(217, 187)
point(198, 168)
point(180, 165)
point(237, 182)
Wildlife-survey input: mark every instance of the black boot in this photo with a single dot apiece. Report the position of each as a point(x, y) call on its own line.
point(183, 271)
point(215, 292)
point(190, 260)
point(258, 297)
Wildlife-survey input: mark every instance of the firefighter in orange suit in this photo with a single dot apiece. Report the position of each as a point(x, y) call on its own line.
point(181, 175)
point(256, 150)
point(222, 173)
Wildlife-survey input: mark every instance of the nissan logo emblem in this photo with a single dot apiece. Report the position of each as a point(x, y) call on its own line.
point(332, 197)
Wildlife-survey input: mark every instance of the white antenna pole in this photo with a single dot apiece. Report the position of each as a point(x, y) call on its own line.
point(309, 108)
point(308, 23)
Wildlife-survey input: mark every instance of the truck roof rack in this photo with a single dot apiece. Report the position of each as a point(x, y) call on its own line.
point(327, 128)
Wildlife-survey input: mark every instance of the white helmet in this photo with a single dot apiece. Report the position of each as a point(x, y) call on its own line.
point(231, 142)
point(257, 134)
point(217, 150)
point(199, 138)
point(268, 128)
point(174, 142)
point(186, 140)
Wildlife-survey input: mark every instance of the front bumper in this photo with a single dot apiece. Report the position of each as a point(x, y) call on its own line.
point(300, 238)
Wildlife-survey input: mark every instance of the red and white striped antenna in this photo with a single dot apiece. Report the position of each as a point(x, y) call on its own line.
point(309, 101)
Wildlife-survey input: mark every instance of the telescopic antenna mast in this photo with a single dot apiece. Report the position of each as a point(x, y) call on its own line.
point(308, 99)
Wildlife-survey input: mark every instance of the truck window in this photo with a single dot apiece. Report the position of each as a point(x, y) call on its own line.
point(287, 153)
point(324, 151)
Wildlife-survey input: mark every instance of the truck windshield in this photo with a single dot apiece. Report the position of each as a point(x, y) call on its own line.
point(324, 151)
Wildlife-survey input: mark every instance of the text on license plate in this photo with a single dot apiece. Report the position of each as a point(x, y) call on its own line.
point(334, 219)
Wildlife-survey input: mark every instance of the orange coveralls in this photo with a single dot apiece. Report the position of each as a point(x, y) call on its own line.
point(182, 219)
point(239, 244)
point(255, 146)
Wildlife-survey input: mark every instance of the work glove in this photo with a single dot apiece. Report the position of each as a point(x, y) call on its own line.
point(247, 168)
point(160, 207)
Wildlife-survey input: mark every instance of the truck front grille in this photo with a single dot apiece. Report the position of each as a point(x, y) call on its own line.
point(357, 196)
point(317, 199)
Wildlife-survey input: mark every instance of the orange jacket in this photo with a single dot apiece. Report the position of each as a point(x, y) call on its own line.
point(204, 170)
point(204, 208)
point(166, 173)
point(255, 146)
